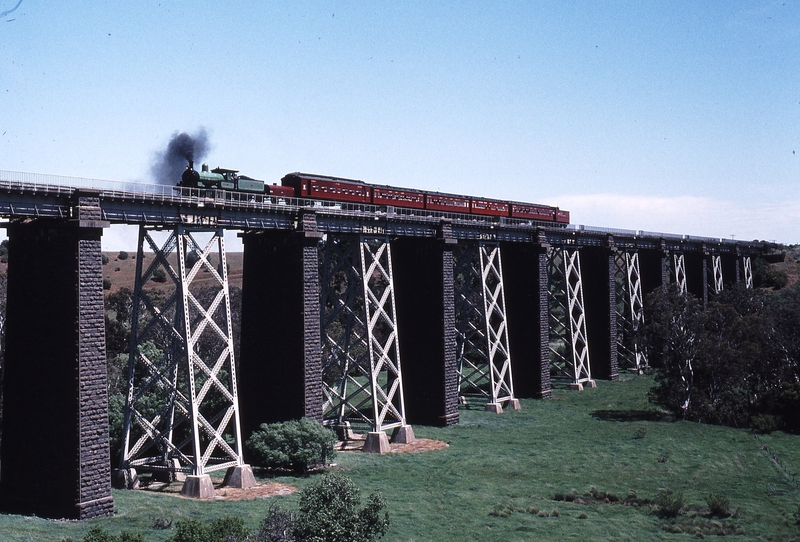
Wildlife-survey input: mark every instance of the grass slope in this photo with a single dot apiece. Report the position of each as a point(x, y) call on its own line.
point(609, 437)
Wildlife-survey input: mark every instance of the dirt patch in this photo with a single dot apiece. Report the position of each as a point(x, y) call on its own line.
point(263, 490)
point(419, 445)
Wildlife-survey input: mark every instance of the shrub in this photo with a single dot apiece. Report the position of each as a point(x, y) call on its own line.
point(297, 445)
point(161, 523)
point(776, 279)
point(159, 275)
point(122, 255)
point(278, 526)
point(106, 284)
point(669, 504)
point(222, 529)
point(98, 534)
point(104, 259)
point(329, 512)
point(718, 505)
point(765, 423)
point(779, 408)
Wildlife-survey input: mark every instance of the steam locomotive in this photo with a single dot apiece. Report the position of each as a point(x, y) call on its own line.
point(322, 187)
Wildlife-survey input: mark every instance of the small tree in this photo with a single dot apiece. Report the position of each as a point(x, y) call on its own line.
point(159, 275)
point(329, 512)
point(122, 255)
point(297, 445)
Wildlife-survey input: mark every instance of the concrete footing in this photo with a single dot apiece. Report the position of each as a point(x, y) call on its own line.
point(125, 479)
point(496, 408)
point(240, 477)
point(513, 404)
point(403, 435)
point(377, 443)
point(198, 487)
point(577, 386)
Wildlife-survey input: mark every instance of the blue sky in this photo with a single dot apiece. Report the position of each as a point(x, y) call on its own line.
point(672, 116)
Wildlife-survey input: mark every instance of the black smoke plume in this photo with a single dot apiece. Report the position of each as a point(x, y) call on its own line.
point(182, 147)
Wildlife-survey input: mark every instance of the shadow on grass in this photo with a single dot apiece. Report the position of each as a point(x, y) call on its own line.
point(632, 416)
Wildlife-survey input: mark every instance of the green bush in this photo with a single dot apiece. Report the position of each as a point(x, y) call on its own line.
point(297, 445)
point(669, 504)
point(719, 506)
point(278, 526)
point(776, 279)
point(779, 408)
point(98, 534)
point(159, 275)
point(219, 530)
point(329, 512)
point(122, 255)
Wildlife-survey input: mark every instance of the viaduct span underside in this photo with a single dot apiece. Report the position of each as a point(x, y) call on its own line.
point(366, 319)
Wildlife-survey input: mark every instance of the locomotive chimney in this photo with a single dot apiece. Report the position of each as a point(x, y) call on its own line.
point(191, 163)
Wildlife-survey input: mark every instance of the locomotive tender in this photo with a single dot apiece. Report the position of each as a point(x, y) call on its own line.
point(323, 187)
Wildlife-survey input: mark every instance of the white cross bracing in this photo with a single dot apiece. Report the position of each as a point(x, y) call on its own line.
point(748, 272)
point(679, 271)
point(569, 347)
point(630, 309)
point(362, 377)
point(182, 402)
point(484, 358)
point(716, 269)
point(471, 341)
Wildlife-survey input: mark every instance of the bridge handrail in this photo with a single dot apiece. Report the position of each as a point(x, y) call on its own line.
point(171, 194)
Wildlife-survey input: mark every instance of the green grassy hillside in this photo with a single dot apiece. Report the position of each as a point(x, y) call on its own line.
point(501, 473)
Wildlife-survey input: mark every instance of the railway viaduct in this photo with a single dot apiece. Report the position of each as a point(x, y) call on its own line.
point(484, 312)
